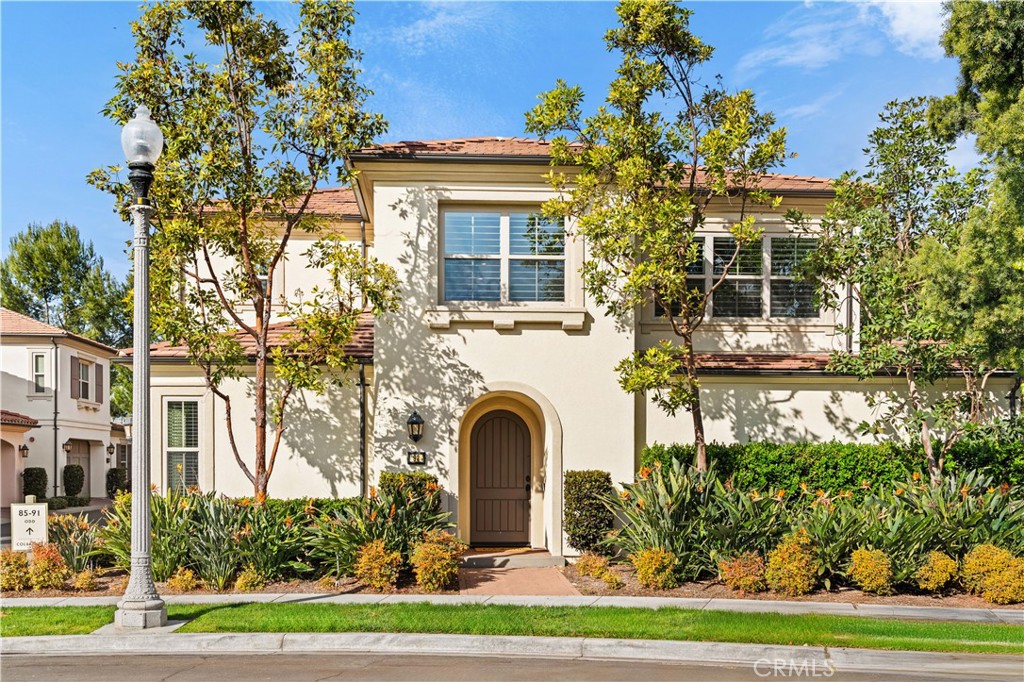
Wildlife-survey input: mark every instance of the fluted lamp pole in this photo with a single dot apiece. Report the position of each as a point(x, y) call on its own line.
point(141, 606)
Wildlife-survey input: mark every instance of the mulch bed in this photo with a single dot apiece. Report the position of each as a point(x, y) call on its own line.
point(712, 589)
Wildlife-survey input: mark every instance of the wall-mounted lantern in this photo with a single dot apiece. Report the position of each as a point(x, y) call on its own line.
point(67, 447)
point(23, 449)
point(415, 424)
point(110, 451)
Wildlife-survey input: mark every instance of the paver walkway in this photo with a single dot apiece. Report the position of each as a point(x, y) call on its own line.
point(544, 582)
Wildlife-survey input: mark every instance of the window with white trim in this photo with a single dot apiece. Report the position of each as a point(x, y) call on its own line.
point(502, 257)
point(182, 441)
point(39, 372)
point(84, 379)
point(762, 282)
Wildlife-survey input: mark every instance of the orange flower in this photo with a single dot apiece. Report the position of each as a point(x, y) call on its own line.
point(624, 495)
point(754, 495)
point(820, 493)
point(261, 497)
point(1004, 488)
point(644, 472)
point(288, 522)
point(657, 464)
point(964, 491)
point(917, 476)
point(640, 502)
point(391, 514)
point(803, 486)
point(899, 491)
point(990, 490)
point(781, 493)
point(373, 492)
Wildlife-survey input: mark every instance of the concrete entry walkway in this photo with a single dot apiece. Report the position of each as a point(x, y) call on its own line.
point(510, 557)
point(545, 581)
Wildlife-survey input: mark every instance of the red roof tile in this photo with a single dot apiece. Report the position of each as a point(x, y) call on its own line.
point(361, 346)
point(335, 201)
point(15, 419)
point(16, 324)
point(539, 150)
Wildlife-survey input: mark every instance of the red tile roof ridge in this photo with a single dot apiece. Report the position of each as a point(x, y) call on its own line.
point(17, 324)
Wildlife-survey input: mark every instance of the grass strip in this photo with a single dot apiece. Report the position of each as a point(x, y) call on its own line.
point(610, 622)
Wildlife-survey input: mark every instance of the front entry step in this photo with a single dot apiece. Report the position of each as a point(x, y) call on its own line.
point(518, 557)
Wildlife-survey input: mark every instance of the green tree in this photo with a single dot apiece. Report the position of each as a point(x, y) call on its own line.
point(249, 139)
point(878, 235)
point(977, 288)
point(646, 167)
point(52, 275)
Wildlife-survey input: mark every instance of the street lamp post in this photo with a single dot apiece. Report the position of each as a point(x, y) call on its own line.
point(141, 606)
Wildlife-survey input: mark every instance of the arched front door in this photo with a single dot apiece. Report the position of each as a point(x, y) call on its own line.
point(500, 474)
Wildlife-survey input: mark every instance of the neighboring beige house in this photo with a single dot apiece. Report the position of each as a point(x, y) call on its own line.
point(59, 382)
point(509, 364)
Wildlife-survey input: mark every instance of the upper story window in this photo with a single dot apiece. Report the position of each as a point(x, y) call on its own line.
point(39, 372)
point(84, 379)
point(503, 257)
point(762, 282)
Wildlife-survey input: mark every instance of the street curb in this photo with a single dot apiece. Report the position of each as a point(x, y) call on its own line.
point(928, 613)
point(564, 648)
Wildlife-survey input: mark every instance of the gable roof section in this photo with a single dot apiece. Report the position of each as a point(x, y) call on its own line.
point(360, 348)
point(16, 324)
point(339, 202)
point(525, 150)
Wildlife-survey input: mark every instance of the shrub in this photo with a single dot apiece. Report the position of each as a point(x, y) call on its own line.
point(744, 572)
point(249, 580)
point(34, 482)
point(326, 582)
point(418, 483)
point(56, 503)
point(587, 519)
point(73, 476)
point(171, 528)
point(980, 563)
point(76, 539)
point(399, 518)
point(13, 570)
point(593, 565)
point(117, 481)
point(871, 570)
point(377, 566)
point(183, 580)
point(85, 581)
point(655, 568)
point(1006, 585)
point(48, 569)
point(936, 572)
point(792, 567)
point(612, 580)
point(435, 568)
point(268, 542)
point(71, 501)
point(214, 543)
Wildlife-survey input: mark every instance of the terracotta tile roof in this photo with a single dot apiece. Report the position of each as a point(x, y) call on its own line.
point(335, 201)
point(761, 362)
point(15, 419)
point(525, 148)
point(361, 346)
point(16, 324)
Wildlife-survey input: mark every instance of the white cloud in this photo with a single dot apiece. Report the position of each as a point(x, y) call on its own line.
point(812, 36)
point(965, 154)
point(810, 109)
point(442, 24)
point(914, 27)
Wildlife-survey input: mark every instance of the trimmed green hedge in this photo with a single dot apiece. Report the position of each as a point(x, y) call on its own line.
point(33, 482)
point(74, 479)
point(117, 480)
point(587, 519)
point(313, 506)
point(834, 466)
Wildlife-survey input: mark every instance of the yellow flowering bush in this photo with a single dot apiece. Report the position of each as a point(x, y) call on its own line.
point(378, 567)
point(792, 568)
point(13, 570)
point(871, 570)
point(744, 572)
point(655, 568)
point(936, 573)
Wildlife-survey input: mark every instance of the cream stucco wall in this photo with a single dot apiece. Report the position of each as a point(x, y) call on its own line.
point(319, 454)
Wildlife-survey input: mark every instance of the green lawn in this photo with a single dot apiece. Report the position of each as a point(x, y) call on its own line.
point(669, 623)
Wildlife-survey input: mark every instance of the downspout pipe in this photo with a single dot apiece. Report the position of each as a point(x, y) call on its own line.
point(849, 317)
point(56, 398)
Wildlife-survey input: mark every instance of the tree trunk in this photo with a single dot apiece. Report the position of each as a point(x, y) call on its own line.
point(695, 410)
point(261, 426)
point(934, 466)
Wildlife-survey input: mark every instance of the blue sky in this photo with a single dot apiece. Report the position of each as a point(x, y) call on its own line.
point(453, 69)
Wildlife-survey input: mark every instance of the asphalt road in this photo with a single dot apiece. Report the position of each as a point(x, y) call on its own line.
point(312, 667)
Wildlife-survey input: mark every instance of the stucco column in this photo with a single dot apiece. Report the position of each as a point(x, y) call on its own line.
point(141, 606)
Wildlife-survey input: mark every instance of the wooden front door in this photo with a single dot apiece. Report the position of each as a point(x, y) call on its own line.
point(500, 474)
point(80, 455)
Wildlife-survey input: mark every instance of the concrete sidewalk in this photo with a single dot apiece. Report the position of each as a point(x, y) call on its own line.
point(935, 613)
point(755, 656)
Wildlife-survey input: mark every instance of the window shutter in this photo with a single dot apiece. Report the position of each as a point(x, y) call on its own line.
point(99, 383)
point(75, 378)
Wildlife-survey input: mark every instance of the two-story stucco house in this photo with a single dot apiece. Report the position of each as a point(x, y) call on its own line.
point(501, 353)
point(57, 380)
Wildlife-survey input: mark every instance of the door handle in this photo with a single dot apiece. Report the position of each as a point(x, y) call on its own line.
point(527, 486)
